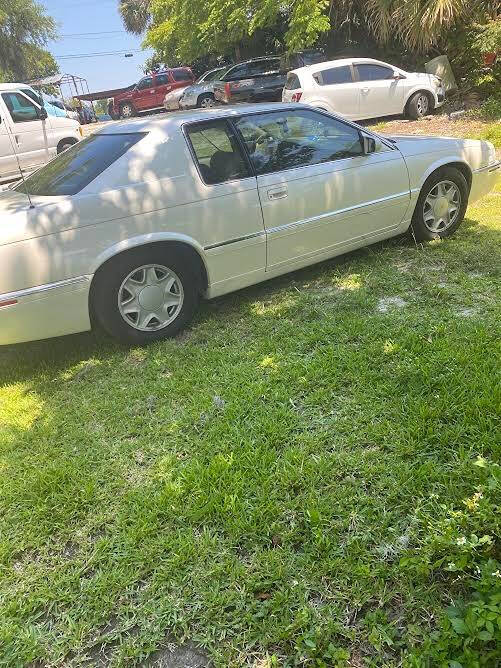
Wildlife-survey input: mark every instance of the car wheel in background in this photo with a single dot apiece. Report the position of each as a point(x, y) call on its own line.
point(144, 295)
point(64, 144)
point(419, 105)
point(441, 205)
point(127, 110)
point(206, 101)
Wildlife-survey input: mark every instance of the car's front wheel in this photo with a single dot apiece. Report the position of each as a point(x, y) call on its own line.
point(144, 295)
point(419, 106)
point(206, 101)
point(441, 205)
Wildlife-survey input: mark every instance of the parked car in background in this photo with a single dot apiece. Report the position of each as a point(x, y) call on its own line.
point(255, 80)
point(131, 226)
point(201, 93)
point(51, 106)
point(291, 61)
point(29, 137)
point(360, 88)
point(149, 93)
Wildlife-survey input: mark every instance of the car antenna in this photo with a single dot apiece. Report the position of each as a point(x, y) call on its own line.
point(32, 206)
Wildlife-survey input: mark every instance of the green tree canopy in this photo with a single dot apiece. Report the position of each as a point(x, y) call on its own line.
point(187, 30)
point(25, 29)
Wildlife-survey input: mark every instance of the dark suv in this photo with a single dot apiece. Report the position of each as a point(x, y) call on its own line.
point(262, 79)
point(255, 80)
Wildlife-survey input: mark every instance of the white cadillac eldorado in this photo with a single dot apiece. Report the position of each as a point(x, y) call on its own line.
point(128, 228)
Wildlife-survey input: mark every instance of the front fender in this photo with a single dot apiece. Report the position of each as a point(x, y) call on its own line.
point(442, 162)
point(417, 88)
point(143, 240)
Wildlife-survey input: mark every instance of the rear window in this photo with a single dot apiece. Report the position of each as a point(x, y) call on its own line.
point(333, 75)
point(182, 75)
point(76, 167)
point(312, 57)
point(292, 82)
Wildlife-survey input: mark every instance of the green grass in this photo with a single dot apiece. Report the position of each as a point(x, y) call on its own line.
point(269, 485)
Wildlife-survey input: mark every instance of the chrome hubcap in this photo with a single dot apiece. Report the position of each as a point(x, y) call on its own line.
point(422, 104)
point(150, 297)
point(207, 102)
point(441, 207)
point(127, 111)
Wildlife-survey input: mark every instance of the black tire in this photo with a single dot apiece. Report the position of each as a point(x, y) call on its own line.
point(205, 100)
point(64, 144)
point(420, 105)
point(127, 110)
point(107, 284)
point(421, 230)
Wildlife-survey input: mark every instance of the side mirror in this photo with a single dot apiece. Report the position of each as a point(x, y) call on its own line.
point(368, 144)
point(397, 76)
point(42, 114)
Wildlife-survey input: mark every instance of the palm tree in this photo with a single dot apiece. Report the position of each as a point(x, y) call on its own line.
point(136, 15)
point(420, 23)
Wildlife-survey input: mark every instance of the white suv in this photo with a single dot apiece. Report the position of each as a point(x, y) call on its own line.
point(364, 88)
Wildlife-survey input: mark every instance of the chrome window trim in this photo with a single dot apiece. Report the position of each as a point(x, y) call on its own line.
point(37, 289)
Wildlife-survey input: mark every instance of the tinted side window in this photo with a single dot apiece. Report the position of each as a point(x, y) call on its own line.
point(147, 82)
point(237, 72)
point(20, 108)
point(181, 75)
point(217, 152)
point(32, 95)
point(161, 79)
point(334, 75)
point(284, 140)
point(292, 82)
point(76, 167)
point(264, 67)
point(373, 72)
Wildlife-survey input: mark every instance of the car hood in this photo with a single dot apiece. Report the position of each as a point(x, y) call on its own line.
point(477, 153)
point(204, 87)
point(64, 122)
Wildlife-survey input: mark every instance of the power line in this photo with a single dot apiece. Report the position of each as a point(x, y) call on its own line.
point(103, 32)
point(74, 56)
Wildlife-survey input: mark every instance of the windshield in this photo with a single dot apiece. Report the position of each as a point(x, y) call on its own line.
point(76, 167)
point(213, 76)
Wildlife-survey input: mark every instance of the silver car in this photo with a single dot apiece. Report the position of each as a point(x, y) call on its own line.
point(201, 93)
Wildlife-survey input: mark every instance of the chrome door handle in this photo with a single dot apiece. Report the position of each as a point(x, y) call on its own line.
point(277, 193)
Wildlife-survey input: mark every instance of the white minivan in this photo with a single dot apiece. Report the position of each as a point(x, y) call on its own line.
point(29, 137)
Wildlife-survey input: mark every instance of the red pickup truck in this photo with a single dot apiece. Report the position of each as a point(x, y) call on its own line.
point(148, 94)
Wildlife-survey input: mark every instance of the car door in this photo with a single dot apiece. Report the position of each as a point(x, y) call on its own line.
point(144, 95)
point(337, 86)
point(32, 136)
point(228, 210)
point(381, 94)
point(319, 191)
point(163, 85)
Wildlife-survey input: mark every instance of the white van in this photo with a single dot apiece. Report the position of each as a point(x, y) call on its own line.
point(28, 133)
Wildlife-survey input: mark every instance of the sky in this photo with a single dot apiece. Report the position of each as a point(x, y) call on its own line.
point(78, 22)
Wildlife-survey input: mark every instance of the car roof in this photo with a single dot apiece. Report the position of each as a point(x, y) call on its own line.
point(339, 62)
point(11, 86)
point(175, 119)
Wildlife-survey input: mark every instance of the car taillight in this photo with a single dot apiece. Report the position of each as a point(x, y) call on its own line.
point(227, 90)
point(296, 97)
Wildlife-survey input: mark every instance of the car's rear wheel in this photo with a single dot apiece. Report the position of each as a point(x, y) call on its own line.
point(206, 101)
point(144, 295)
point(127, 110)
point(441, 205)
point(419, 105)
